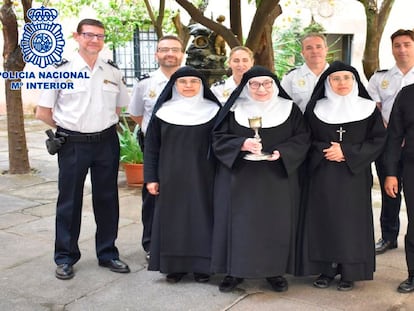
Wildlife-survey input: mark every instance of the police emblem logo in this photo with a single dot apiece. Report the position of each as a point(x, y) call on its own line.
point(152, 94)
point(42, 42)
point(226, 93)
point(385, 84)
point(301, 83)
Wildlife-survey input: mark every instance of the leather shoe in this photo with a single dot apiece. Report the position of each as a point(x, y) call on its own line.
point(201, 277)
point(407, 286)
point(383, 245)
point(64, 271)
point(147, 256)
point(229, 283)
point(323, 281)
point(278, 283)
point(115, 265)
point(345, 285)
point(175, 277)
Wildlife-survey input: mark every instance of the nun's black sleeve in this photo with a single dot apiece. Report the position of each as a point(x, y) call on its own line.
point(152, 150)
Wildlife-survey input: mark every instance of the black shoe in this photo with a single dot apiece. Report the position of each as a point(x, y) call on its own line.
point(175, 277)
point(201, 277)
point(323, 281)
point(345, 285)
point(115, 265)
point(64, 271)
point(278, 283)
point(229, 283)
point(147, 256)
point(407, 286)
point(383, 245)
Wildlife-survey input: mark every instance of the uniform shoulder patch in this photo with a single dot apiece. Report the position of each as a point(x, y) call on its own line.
point(143, 76)
point(61, 63)
point(112, 63)
point(292, 69)
point(219, 82)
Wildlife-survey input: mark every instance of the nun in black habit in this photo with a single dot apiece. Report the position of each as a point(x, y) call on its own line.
point(180, 174)
point(347, 136)
point(255, 202)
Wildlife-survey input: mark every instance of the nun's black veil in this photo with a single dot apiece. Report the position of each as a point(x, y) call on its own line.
point(186, 71)
point(255, 71)
point(319, 90)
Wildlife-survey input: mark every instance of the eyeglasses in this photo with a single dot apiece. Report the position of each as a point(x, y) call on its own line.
point(191, 81)
point(254, 85)
point(166, 50)
point(91, 35)
point(344, 78)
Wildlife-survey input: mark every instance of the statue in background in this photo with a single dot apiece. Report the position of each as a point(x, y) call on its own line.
point(202, 53)
point(219, 43)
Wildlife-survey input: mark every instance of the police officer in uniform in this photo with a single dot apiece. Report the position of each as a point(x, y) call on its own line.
point(86, 118)
point(241, 59)
point(400, 128)
point(300, 82)
point(169, 56)
point(383, 87)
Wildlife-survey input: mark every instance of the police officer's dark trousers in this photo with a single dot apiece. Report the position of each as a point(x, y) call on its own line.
point(100, 156)
point(390, 207)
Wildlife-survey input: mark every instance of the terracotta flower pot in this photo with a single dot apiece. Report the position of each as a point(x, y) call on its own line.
point(134, 174)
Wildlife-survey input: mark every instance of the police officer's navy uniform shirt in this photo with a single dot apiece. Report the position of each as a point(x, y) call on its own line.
point(384, 86)
point(145, 95)
point(91, 105)
point(299, 84)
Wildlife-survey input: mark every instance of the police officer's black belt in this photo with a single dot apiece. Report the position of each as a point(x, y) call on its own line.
point(77, 137)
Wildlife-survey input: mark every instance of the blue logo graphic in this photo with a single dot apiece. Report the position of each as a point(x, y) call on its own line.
point(42, 43)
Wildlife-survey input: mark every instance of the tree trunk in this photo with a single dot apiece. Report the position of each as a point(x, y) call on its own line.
point(235, 19)
point(13, 61)
point(182, 30)
point(376, 21)
point(198, 17)
point(260, 35)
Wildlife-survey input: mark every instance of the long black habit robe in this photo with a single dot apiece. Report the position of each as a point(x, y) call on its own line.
point(176, 156)
point(338, 234)
point(256, 202)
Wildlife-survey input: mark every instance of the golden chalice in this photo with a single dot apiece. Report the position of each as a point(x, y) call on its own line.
point(255, 124)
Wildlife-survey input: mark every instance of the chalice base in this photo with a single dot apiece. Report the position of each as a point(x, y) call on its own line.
point(257, 157)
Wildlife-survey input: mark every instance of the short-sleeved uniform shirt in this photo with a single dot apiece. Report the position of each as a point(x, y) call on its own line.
point(223, 89)
point(384, 86)
point(90, 106)
point(145, 95)
point(299, 84)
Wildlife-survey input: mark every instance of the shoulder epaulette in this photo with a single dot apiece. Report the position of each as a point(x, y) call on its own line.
point(112, 63)
point(219, 82)
point(62, 62)
point(382, 70)
point(143, 76)
point(293, 69)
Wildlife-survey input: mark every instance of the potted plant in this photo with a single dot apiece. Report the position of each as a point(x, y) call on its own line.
point(131, 155)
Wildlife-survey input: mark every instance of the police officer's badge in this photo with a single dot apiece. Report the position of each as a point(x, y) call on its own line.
point(42, 42)
point(385, 84)
point(226, 93)
point(152, 94)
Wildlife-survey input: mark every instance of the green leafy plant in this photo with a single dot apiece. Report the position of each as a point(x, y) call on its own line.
point(130, 150)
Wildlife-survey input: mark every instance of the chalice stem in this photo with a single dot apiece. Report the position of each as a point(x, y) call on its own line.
point(256, 134)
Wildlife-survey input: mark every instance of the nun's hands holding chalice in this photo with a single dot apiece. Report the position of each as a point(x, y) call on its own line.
point(252, 145)
point(274, 156)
